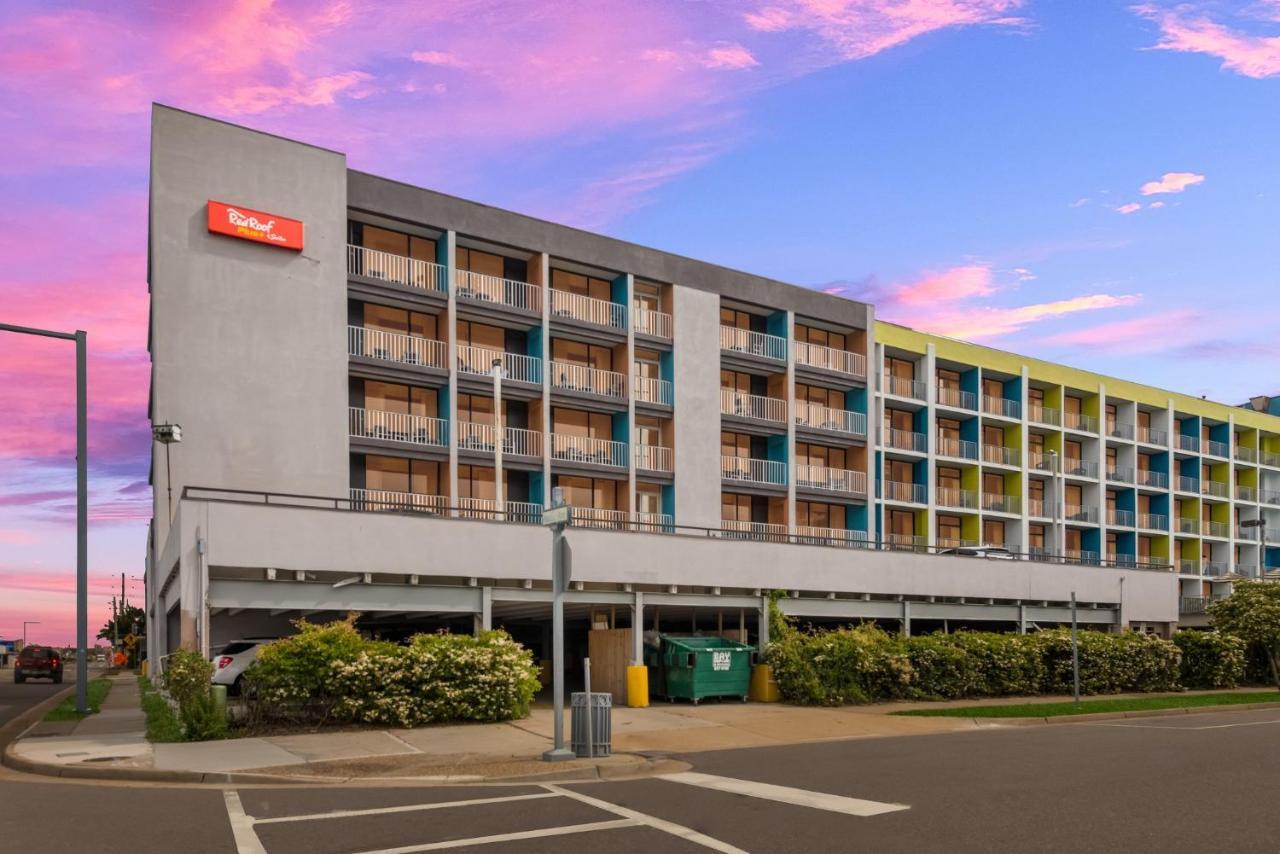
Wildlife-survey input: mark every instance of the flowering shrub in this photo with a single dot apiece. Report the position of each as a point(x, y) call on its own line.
point(292, 677)
point(187, 677)
point(1211, 659)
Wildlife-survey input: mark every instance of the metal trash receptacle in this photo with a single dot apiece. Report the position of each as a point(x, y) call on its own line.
point(601, 723)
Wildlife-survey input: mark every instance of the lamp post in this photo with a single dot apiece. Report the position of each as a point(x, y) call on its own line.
point(26, 623)
point(557, 516)
point(1261, 524)
point(82, 501)
point(167, 434)
point(499, 439)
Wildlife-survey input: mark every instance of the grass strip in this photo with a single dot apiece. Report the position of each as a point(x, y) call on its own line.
point(1089, 707)
point(96, 691)
point(162, 723)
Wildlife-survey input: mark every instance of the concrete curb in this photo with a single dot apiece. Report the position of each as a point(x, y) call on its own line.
point(994, 723)
point(14, 729)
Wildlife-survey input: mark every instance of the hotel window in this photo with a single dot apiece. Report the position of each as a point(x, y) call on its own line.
point(1071, 405)
point(993, 533)
point(576, 422)
point(597, 493)
point(902, 369)
point(1036, 537)
point(1035, 493)
point(821, 337)
point(481, 335)
point(949, 478)
point(818, 396)
point(1144, 419)
point(899, 419)
point(1073, 540)
point(394, 242)
point(475, 261)
point(948, 379)
point(735, 508)
point(899, 471)
point(993, 484)
point(389, 397)
point(815, 514)
point(648, 365)
point(993, 436)
point(949, 529)
point(736, 381)
point(1035, 397)
point(735, 445)
point(647, 296)
point(902, 523)
point(736, 319)
point(1111, 500)
point(1113, 546)
point(818, 455)
point(1113, 459)
point(1073, 450)
point(387, 319)
point(649, 498)
point(1113, 414)
point(1144, 549)
point(949, 431)
point(1144, 504)
point(476, 482)
point(993, 388)
point(587, 286)
point(578, 353)
point(1035, 445)
point(648, 431)
point(1074, 495)
point(478, 408)
point(393, 474)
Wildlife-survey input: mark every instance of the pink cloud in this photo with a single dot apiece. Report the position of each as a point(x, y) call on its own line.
point(954, 284)
point(1186, 29)
point(992, 322)
point(1131, 207)
point(1151, 333)
point(1171, 182)
point(730, 57)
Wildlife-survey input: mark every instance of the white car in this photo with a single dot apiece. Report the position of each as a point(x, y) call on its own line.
point(994, 552)
point(233, 660)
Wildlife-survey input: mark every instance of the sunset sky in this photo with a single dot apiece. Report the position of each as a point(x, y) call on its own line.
point(1092, 183)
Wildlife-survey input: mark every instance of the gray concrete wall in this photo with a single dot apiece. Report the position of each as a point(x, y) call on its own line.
point(248, 346)
point(696, 318)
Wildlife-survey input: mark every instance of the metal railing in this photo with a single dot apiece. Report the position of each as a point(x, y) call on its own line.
point(570, 376)
point(1188, 443)
point(913, 542)
point(1214, 448)
point(1080, 513)
point(516, 367)
point(1001, 455)
point(1153, 521)
point(378, 499)
point(479, 287)
point(831, 359)
point(960, 449)
point(1079, 468)
point(396, 347)
point(893, 490)
point(753, 406)
point(1118, 430)
point(1084, 556)
point(1216, 567)
point(518, 442)
point(819, 417)
point(656, 324)
point(998, 503)
point(653, 458)
point(1221, 530)
point(1188, 484)
point(1196, 604)
point(957, 398)
point(1216, 488)
point(1246, 493)
point(1044, 414)
point(831, 479)
point(1267, 458)
point(1121, 518)
point(597, 312)
point(960, 499)
point(905, 440)
point(903, 387)
point(585, 449)
point(734, 529)
point(487, 508)
point(1038, 508)
point(1246, 455)
point(652, 390)
point(397, 427)
point(1188, 566)
point(810, 535)
point(1120, 474)
point(753, 343)
point(955, 543)
point(1040, 462)
point(1269, 496)
point(748, 470)
point(1001, 406)
point(621, 520)
point(1152, 436)
point(1188, 525)
point(397, 269)
point(1079, 422)
point(1146, 477)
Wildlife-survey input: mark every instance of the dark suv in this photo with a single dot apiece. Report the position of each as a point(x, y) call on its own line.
point(38, 662)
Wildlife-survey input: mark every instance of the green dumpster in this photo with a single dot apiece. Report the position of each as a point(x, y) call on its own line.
point(698, 667)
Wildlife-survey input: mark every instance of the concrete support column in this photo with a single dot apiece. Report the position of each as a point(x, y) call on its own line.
point(762, 631)
point(484, 619)
point(630, 284)
point(791, 421)
point(875, 439)
point(906, 618)
point(540, 274)
point(1024, 524)
point(449, 248)
point(637, 628)
point(931, 440)
point(1101, 459)
point(1022, 618)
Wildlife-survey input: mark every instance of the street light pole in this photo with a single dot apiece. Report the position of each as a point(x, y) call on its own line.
point(81, 338)
point(557, 516)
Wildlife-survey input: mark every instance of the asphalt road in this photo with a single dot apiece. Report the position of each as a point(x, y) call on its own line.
point(1189, 783)
point(16, 699)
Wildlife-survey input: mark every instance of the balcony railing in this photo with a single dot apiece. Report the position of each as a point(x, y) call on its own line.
point(1215, 567)
point(1000, 455)
point(379, 499)
point(1085, 556)
point(1153, 521)
point(960, 449)
point(753, 406)
point(1079, 422)
point(810, 535)
point(1188, 525)
point(619, 520)
point(1188, 443)
point(1267, 458)
point(396, 347)
point(753, 343)
point(1079, 468)
point(1215, 488)
point(1157, 479)
point(1001, 406)
point(831, 479)
point(397, 269)
point(653, 458)
point(735, 529)
point(584, 449)
point(652, 390)
point(1118, 430)
point(905, 440)
point(1246, 493)
point(903, 387)
point(1215, 448)
point(516, 367)
point(1246, 455)
point(1196, 604)
point(487, 508)
point(1039, 461)
point(476, 436)
point(1038, 508)
point(478, 287)
point(748, 470)
point(956, 398)
point(1152, 436)
point(1221, 530)
point(656, 324)
point(955, 543)
point(1121, 518)
point(1188, 484)
point(913, 542)
point(818, 417)
point(1120, 474)
point(1080, 513)
point(597, 312)
point(1189, 566)
point(893, 490)
point(569, 376)
point(1042, 414)
point(831, 359)
point(1269, 496)
point(960, 499)
point(397, 427)
point(997, 503)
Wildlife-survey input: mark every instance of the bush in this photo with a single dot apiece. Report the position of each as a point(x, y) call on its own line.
point(188, 679)
point(1211, 659)
point(293, 677)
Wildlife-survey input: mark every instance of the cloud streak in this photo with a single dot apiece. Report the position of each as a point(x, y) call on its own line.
point(1189, 28)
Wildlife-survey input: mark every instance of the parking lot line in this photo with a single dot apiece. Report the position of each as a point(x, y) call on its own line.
point(319, 816)
point(686, 833)
point(564, 830)
point(785, 794)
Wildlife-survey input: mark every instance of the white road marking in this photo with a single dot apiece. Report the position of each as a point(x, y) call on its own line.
point(686, 833)
point(784, 794)
point(247, 841)
point(404, 808)
point(510, 837)
point(1188, 728)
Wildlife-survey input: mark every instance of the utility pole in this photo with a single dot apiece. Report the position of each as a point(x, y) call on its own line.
point(557, 516)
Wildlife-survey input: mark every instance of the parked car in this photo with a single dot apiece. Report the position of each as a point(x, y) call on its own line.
point(233, 660)
point(38, 662)
point(994, 552)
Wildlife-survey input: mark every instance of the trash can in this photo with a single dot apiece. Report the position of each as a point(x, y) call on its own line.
point(698, 667)
point(601, 723)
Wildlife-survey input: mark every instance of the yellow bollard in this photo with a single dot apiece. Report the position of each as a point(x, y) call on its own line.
point(143, 672)
point(638, 686)
point(763, 688)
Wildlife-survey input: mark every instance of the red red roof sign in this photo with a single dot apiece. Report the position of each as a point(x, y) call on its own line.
point(248, 224)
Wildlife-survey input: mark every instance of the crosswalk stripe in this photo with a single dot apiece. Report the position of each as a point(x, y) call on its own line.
point(686, 833)
point(441, 805)
point(784, 794)
point(590, 827)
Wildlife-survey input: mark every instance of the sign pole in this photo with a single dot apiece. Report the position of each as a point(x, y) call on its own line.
point(1075, 652)
point(557, 517)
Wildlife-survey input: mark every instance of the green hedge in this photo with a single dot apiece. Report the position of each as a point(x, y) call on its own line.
point(1211, 659)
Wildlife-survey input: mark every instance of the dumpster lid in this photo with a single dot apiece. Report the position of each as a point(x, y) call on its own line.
point(696, 643)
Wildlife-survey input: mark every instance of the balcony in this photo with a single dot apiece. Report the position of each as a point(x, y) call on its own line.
point(396, 347)
point(1191, 605)
point(956, 499)
point(480, 288)
point(516, 367)
point(487, 508)
point(1153, 521)
point(734, 529)
point(1246, 493)
point(1219, 530)
point(1120, 474)
point(810, 535)
point(1214, 488)
point(653, 458)
point(1217, 449)
point(913, 493)
point(1080, 468)
point(1267, 458)
point(1269, 496)
point(1189, 566)
point(1040, 462)
point(752, 471)
point(1152, 436)
point(1083, 556)
point(378, 499)
point(817, 417)
point(1188, 525)
point(1000, 455)
point(585, 449)
point(570, 376)
point(912, 542)
point(1188, 484)
point(1080, 513)
point(652, 390)
point(518, 442)
point(956, 398)
point(1216, 568)
point(1080, 422)
point(397, 427)
point(753, 406)
point(1118, 430)
point(753, 343)
point(1041, 414)
point(396, 269)
point(903, 387)
point(585, 309)
point(1038, 508)
point(619, 520)
point(994, 502)
point(959, 449)
point(955, 543)
point(1121, 518)
point(655, 324)
point(831, 479)
point(1246, 455)
point(1156, 479)
point(1188, 443)
point(905, 440)
point(1001, 406)
point(830, 359)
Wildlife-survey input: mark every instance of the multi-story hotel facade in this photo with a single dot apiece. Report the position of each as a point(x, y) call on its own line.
point(381, 387)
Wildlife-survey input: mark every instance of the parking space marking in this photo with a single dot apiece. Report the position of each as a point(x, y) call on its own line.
point(686, 833)
point(242, 831)
point(564, 830)
point(318, 816)
point(785, 794)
